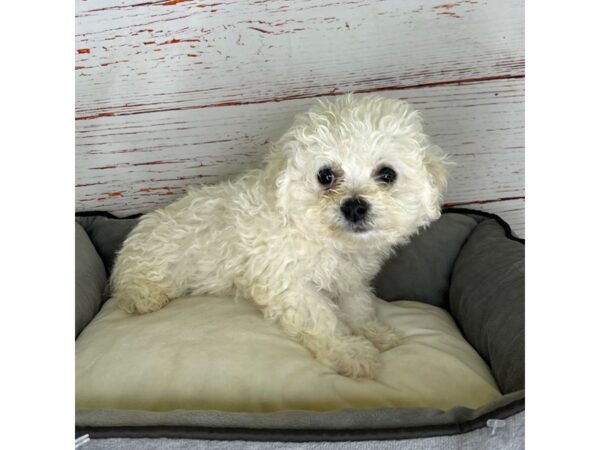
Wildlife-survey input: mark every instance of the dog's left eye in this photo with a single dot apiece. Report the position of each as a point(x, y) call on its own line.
point(386, 174)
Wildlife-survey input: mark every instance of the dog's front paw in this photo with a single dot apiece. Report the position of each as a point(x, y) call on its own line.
point(353, 357)
point(382, 335)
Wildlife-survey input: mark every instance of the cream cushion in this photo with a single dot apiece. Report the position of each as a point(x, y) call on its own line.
point(211, 353)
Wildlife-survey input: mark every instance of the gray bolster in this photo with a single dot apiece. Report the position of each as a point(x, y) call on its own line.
point(107, 235)
point(90, 279)
point(421, 270)
point(487, 299)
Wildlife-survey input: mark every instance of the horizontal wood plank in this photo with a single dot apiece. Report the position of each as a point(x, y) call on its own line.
point(132, 164)
point(134, 57)
point(512, 211)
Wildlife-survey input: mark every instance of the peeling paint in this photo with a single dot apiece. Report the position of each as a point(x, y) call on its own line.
point(177, 41)
point(173, 2)
point(195, 125)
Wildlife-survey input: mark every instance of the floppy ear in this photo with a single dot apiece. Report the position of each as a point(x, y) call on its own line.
point(277, 177)
point(436, 166)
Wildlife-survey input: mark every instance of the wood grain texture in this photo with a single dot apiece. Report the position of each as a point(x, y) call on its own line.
point(511, 210)
point(178, 92)
point(130, 164)
point(138, 57)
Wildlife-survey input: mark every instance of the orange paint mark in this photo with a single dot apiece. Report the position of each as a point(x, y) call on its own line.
point(145, 190)
point(115, 194)
point(83, 50)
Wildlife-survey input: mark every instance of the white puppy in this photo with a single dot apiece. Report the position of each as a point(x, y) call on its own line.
point(303, 236)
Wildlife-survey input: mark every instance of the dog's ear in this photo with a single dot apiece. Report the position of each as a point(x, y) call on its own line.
point(277, 176)
point(436, 165)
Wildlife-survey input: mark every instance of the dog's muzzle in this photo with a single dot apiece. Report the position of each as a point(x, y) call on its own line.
point(355, 210)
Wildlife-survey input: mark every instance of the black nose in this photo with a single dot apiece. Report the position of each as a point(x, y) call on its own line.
point(355, 209)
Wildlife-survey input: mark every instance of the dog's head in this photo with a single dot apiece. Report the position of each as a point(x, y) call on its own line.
point(360, 170)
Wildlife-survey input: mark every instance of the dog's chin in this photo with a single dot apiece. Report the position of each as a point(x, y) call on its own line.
point(359, 231)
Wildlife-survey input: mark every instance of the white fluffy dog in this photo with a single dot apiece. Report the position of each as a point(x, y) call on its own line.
point(303, 236)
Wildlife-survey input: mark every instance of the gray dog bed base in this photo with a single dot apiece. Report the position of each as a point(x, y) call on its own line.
point(468, 263)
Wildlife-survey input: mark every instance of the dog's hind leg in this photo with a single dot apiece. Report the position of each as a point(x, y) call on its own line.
point(139, 297)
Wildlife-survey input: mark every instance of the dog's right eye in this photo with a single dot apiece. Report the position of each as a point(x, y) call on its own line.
point(326, 176)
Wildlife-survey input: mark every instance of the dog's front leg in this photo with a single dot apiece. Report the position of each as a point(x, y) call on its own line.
point(310, 316)
point(358, 310)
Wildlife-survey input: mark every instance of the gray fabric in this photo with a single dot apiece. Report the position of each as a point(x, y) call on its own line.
point(375, 418)
point(421, 270)
point(510, 437)
point(487, 299)
point(485, 292)
point(107, 235)
point(90, 279)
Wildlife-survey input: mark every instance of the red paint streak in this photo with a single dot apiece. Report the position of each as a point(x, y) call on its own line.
point(172, 2)
point(83, 50)
point(331, 93)
point(261, 30)
point(163, 188)
point(96, 116)
point(446, 6)
point(115, 194)
point(481, 202)
point(177, 41)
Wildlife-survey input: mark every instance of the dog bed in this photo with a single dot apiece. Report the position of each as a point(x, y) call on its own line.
point(215, 353)
point(212, 368)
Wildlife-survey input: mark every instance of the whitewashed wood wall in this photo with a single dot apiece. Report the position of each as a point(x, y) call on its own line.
point(178, 92)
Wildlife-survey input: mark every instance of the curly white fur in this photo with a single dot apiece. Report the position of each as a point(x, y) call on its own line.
point(278, 237)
